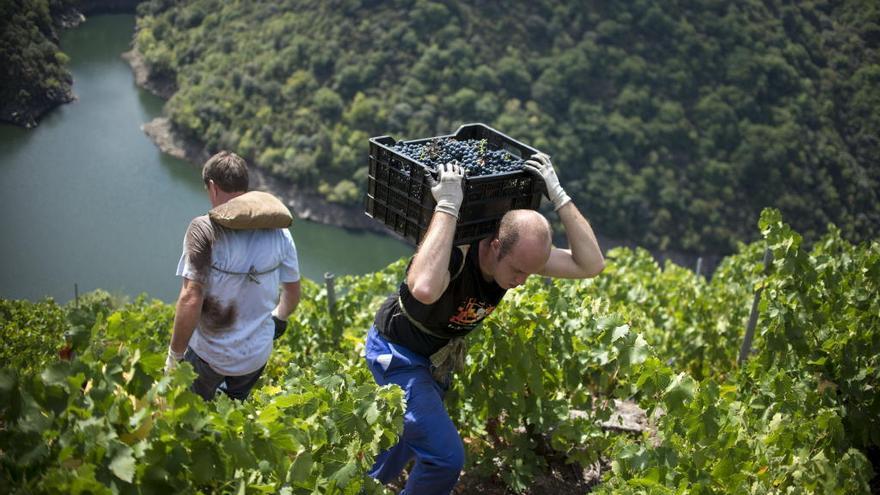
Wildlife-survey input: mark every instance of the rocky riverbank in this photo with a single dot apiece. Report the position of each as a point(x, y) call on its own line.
point(161, 87)
point(28, 113)
point(303, 203)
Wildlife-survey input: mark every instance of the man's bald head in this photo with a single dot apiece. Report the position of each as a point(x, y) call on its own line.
point(524, 226)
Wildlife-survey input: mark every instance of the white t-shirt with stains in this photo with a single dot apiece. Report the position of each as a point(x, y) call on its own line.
point(241, 271)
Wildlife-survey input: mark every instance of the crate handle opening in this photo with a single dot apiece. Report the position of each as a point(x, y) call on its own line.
point(513, 150)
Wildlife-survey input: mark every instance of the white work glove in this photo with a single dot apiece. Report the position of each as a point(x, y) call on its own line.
point(540, 165)
point(172, 360)
point(447, 191)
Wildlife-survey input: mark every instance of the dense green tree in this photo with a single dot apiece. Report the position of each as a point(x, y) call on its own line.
point(33, 77)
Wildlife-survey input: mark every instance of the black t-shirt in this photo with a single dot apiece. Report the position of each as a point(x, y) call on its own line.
point(465, 302)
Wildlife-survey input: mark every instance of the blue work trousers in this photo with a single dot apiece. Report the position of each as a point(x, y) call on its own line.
point(428, 433)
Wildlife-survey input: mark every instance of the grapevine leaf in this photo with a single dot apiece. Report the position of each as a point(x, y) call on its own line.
point(344, 474)
point(619, 332)
point(679, 391)
point(268, 415)
point(301, 467)
point(123, 464)
point(639, 351)
point(56, 374)
point(372, 413)
point(206, 464)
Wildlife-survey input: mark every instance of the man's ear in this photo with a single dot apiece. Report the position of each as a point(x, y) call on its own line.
point(496, 245)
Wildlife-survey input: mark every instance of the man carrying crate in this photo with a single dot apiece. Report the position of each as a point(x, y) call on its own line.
point(417, 338)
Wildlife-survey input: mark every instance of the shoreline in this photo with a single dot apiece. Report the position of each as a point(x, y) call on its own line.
point(303, 204)
point(29, 116)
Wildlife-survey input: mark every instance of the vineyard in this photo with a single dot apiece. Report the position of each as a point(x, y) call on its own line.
point(543, 378)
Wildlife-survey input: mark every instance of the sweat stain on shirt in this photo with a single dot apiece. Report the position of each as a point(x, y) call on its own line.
point(217, 317)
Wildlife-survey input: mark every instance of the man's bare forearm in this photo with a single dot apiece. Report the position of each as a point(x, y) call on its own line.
point(585, 251)
point(290, 293)
point(428, 274)
point(583, 259)
point(186, 316)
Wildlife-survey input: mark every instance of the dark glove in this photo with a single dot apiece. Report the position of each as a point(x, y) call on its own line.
point(280, 327)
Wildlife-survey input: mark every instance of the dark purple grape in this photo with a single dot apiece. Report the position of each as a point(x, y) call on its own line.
point(475, 155)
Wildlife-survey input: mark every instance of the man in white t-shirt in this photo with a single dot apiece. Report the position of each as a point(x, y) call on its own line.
point(229, 310)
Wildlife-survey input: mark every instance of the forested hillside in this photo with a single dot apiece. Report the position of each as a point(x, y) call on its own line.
point(33, 78)
point(33, 73)
point(672, 123)
point(535, 404)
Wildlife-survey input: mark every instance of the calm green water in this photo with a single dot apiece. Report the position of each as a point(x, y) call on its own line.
point(89, 200)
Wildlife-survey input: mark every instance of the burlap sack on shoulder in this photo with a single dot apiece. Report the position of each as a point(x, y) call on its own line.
point(252, 210)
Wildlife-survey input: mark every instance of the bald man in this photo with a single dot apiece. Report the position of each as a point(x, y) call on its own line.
point(417, 339)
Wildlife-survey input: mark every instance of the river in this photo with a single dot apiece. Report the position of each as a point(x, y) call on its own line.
point(89, 200)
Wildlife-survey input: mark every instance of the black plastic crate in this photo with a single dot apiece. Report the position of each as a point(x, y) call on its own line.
point(399, 189)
